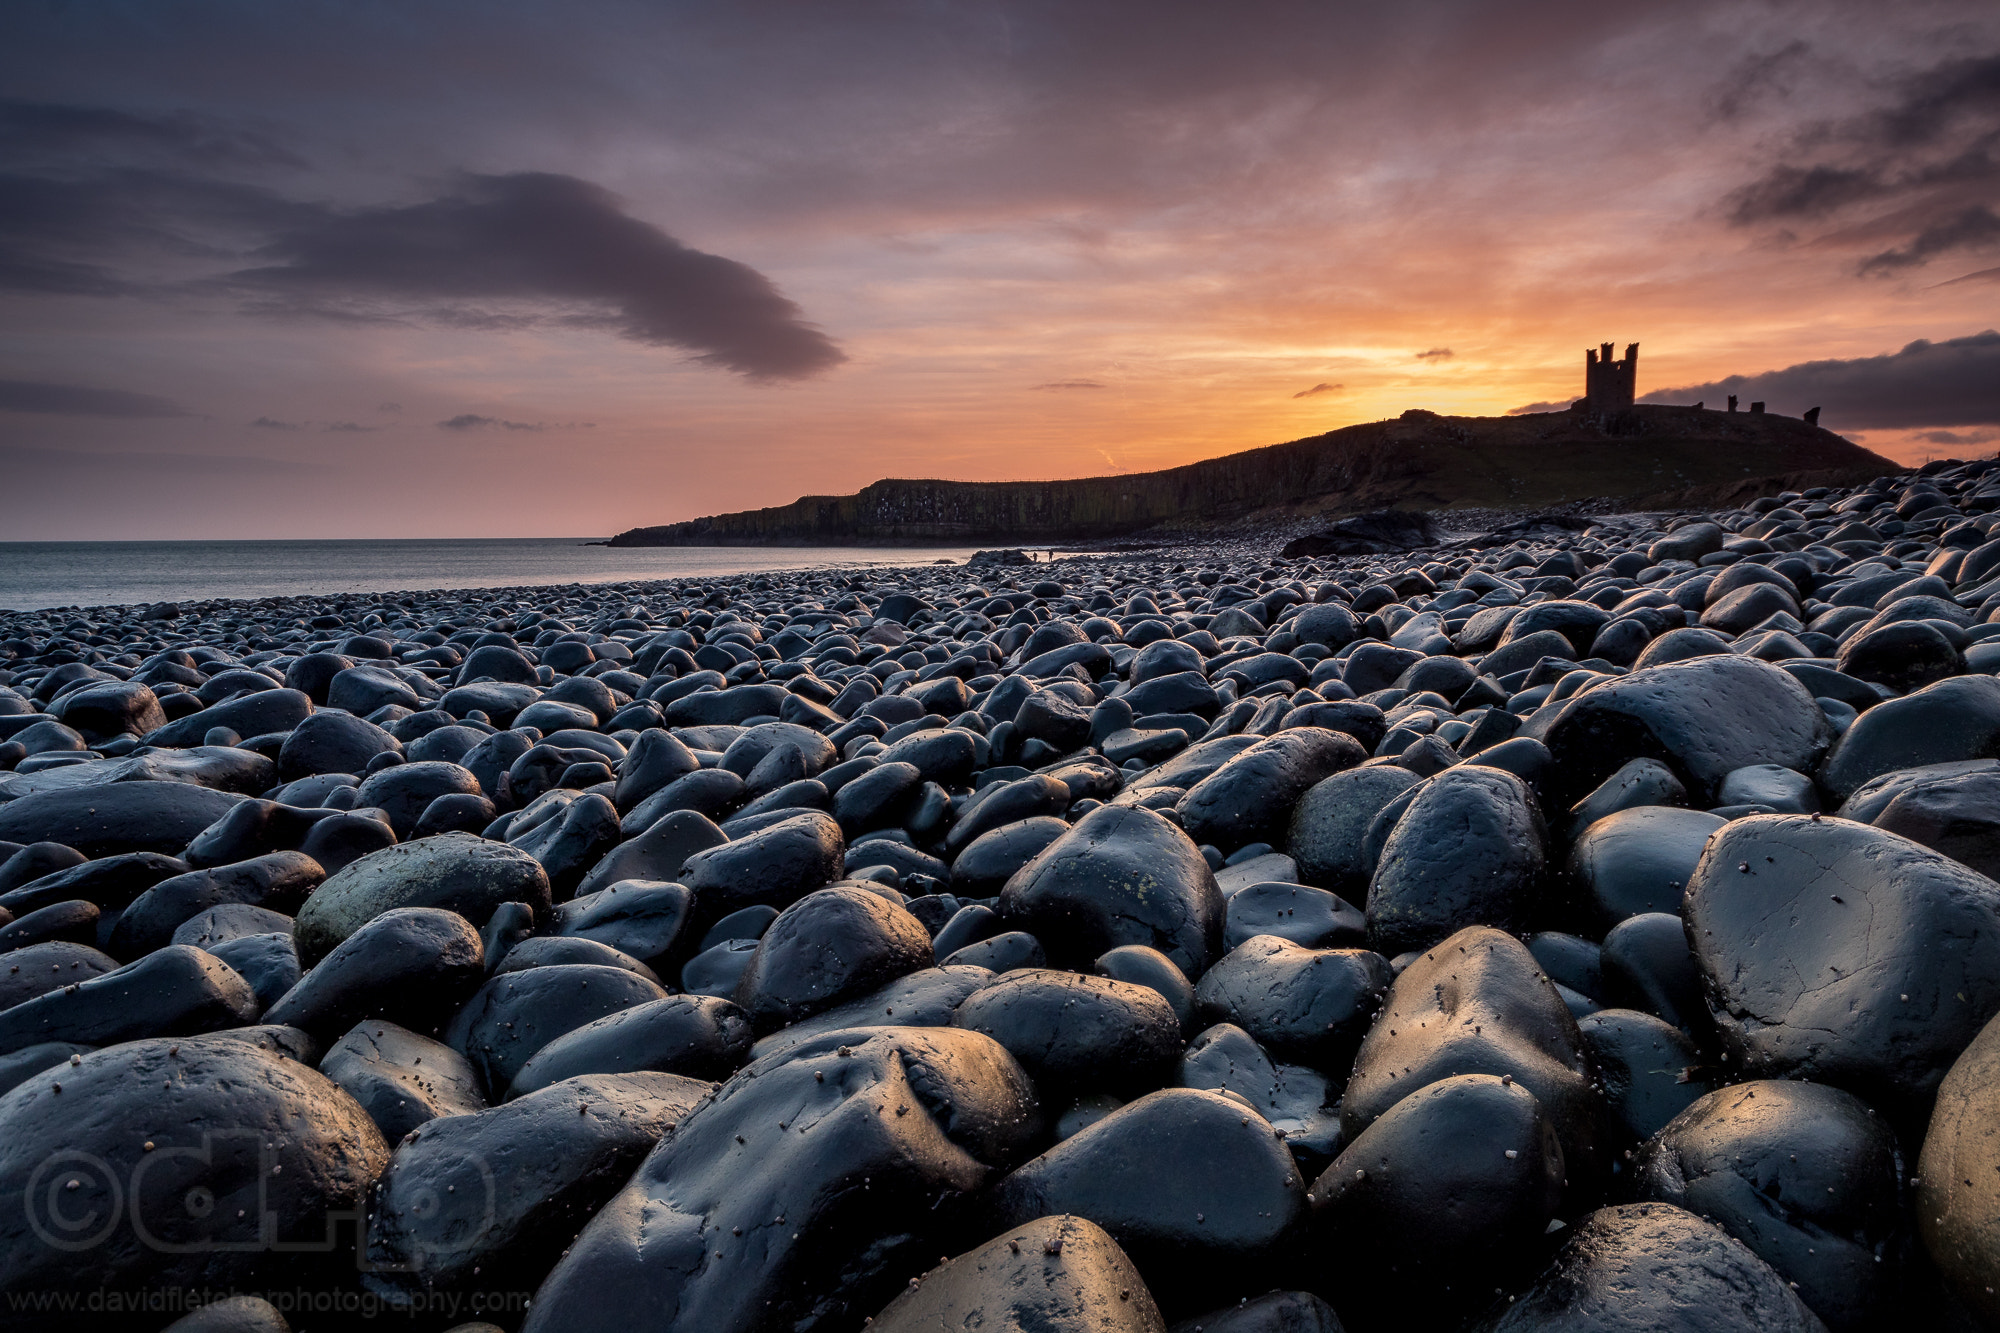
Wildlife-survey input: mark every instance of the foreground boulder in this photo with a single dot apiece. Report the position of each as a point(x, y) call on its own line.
point(800, 1195)
point(1467, 851)
point(1806, 1176)
point(1197, 1188)
point(455, 871)
point(1072, 1032)
point(830, 947)
point(190, 1157)
point(1121, 875)
point(1479, 1004)
point(1656, 1267)
point(175, 991)
point(401, 1078)
point(1052, 1275)
point(117, 817)
point(1703, 718)
point(1958, 1189)
point(504, 1190)
point(1839, 953)
point(1446, 1193)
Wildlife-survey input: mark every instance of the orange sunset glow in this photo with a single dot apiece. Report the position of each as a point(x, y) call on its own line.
point(483, 269)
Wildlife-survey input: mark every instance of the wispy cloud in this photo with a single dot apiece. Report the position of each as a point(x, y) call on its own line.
point(1435, 354)
point(473, 421)
point(77, 400)
point(272, 423)
point(1070, 384)
point(1921, 166)
point(1318, 389)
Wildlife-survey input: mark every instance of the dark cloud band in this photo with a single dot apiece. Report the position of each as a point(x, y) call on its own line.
point(1926, 384)
point(76, 400)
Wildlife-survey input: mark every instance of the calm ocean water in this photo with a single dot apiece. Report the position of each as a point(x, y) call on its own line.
point(35, 575)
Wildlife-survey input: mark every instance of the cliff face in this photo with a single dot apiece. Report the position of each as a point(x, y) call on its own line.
point(1651, 456)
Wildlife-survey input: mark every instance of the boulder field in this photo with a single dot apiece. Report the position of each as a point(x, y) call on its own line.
point(1585, 928)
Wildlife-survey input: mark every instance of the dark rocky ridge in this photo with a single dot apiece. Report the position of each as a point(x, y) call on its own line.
point(1649, 457)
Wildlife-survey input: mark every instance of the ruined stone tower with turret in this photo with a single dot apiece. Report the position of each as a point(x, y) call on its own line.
point(1609, 386)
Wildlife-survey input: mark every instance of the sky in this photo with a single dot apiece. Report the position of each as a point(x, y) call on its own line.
point(400, 268)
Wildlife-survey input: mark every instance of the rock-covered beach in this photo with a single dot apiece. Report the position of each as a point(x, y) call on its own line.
point(1589, 925)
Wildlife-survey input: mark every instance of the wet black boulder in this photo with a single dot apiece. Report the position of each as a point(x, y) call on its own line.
point(405, 791)
point(1309, 1006)
point(991, 859)
point(1297, 912)
point(1250, 798)
point(1904, 656)
point(502, 1191)
point(1467, 851)
point(1056, 1274)
point(516, 1014)
point(252, 828)
point(1950, 721)
point(1121, 875)
point(1479, 1003)
point(1837, 952)
point(1443, 1197)
point(1649, 1069)
point(460, 872)
point(401, 1078)
point(1636, 860)
point(832, 946)
point(412, 965)
point(1957, 813)
point(1957, 1202)
point(136, 1126)
point(279, 881)
point(332, 743)
point(775, 866)
point(175, 991)
point(642, 918)
point(1703, 718)
point(1074, 1033)
point(925, 999)
point(569, 843)
point(37, 969)
point(1806, 1176)
point(696, 1036)
point(801, 1195)
point(1329, 828)
point(1656, 1267)
point(116, 818)
point(1195, 1187)
point(656, 854)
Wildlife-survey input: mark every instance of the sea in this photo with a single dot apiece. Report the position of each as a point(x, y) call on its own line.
point(46, 575)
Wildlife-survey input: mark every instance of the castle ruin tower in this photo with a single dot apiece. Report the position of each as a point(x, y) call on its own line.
point(1609, 387)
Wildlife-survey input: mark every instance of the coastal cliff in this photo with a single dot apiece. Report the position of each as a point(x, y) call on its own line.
point(1651, 456)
